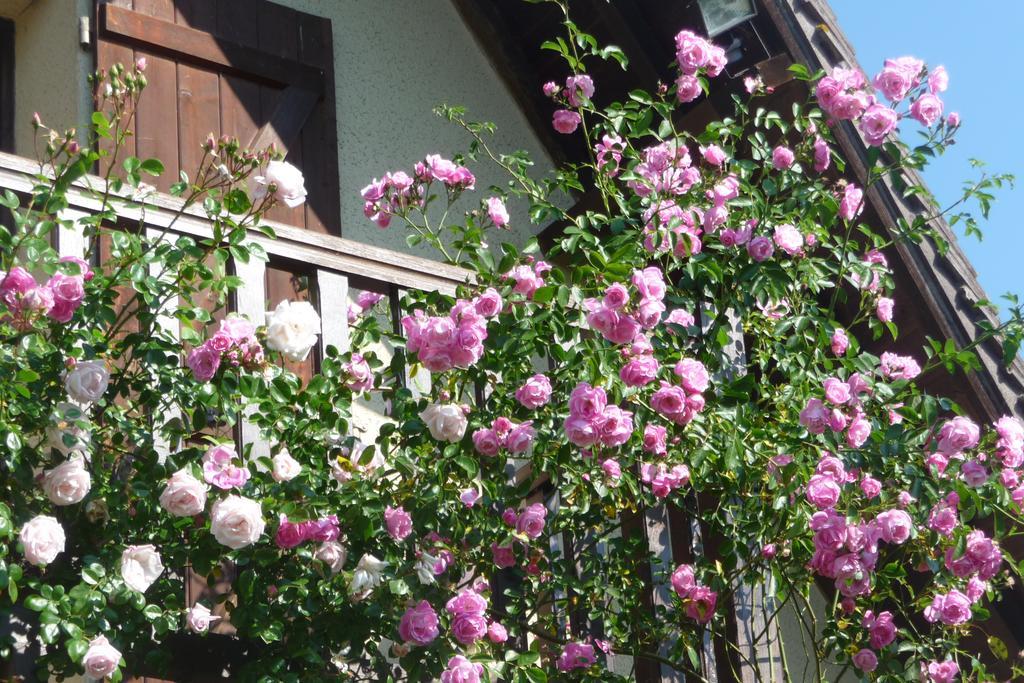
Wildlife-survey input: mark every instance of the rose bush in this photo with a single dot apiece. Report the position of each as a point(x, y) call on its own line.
point(597, 372)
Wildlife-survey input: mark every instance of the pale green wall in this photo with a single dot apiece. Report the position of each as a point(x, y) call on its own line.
point(395, 60)
point(51, 69)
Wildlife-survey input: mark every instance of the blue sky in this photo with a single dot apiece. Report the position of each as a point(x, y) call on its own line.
point(981, 45)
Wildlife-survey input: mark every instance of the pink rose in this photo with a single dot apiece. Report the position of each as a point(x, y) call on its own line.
point(700, 604)
point(926, 109)
point(822, 155)
point(203, 361)
point(497, 212)
point(398, 521)
point(974, 473)
point(683, 580)
point(550, 88)
point(840, 342)
point(289, 534)
point(871, 487)
point(688, 88)
point(184, 495)
point(858, 431)
point(692, 375)
point(940, 672)
point(957, 435)
point(942, 519)
point(581, 431)
point(486, 442)
point(654, 439)
point(359, 373)
point(815, 416)
point(575, 656)
point(669, 400)
point(469, 628)
point(615, 426)
point(953, 120)
point(952, 608)
point(865, 660)
point(461, 670)
point(692, 51)
point(782, 158)
point(714, 155)
point(938, 80)
point(894, 526)
point(822, 491)
point(579, 89)
point(219, 469)
point(503, 555)
point(68, 292)
point(531, 520)
point(535, 393)
point(496, 633)
point(419, 624)
point(565, 121)
point(520, 438)
point(788, 239)
point(883, 310)
point(852, 202)
point(760, 249)
point(640, 371)
point(612, 470)
point(616, 296)
point(837, 392)
point(587, 401)
point(876, 124)
point(881, 629)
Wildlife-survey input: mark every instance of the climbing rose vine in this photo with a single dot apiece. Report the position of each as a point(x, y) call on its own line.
point(493, 527)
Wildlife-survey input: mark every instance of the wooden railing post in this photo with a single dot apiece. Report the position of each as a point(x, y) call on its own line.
point(251, 298)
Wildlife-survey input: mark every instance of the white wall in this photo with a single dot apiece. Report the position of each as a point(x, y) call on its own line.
point(51, 69)
point(395, 60)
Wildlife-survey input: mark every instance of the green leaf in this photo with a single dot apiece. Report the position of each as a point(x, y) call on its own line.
point(153, 167)
point(998, 648)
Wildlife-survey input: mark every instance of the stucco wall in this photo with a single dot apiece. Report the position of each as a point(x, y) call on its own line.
point(395, 60)
point(51, 69)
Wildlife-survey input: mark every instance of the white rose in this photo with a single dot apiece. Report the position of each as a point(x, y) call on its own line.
point(446, 422)
point(366, 577)
point(63, 434)
point(101, 659)
point(292, 328)
point(140, 566)
point(289, 185)
point(286, 467)
point(199, 618)
point(43, 539)
point(333, 554)
point(425, 568)
point(67, 483)
point(236, 521)
point(184, 495)
point(87, 381)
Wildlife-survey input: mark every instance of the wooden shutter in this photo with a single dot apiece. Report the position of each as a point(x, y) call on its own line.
point(246, 68)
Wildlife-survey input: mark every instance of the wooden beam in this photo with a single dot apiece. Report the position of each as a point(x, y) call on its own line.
point(335, 253)
point(200, 47)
